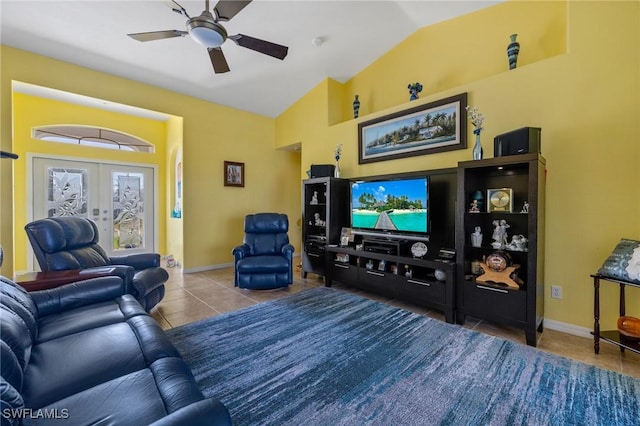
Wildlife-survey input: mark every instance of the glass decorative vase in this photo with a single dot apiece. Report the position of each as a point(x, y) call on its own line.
point(336, 171)
point(477, 148)
point(356, 107)
point(512, 51)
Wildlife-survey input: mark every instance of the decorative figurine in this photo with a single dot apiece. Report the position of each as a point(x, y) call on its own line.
point(479, 197)
point(336, 154)
point(518, 243)
point(318, 221)
point(499, 234)
point(525, 207)
point(407, 271)
point(475, 208)
point(314, 198)
point(476, 237)
point(414, 89)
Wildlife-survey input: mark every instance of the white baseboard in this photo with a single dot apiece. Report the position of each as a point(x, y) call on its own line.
point(208, 268)
point(564, 327)
point(216, 266)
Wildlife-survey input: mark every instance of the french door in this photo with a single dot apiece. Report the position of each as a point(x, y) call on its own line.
point(118, 197)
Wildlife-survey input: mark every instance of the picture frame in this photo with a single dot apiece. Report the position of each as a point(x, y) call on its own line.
point(429, 128)
point(233, 174)
point(346, 237)
point(500, 200)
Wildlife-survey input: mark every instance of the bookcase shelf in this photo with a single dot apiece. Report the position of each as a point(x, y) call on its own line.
point(520, 304)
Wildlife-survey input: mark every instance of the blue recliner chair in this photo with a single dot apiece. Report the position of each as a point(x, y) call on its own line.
point(265, 259)
point(65, 243)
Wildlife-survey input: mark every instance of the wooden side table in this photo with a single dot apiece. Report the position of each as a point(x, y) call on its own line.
point(611, 336)
point(33, 281)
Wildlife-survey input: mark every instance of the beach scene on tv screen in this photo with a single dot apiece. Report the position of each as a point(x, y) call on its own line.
point(394, 205)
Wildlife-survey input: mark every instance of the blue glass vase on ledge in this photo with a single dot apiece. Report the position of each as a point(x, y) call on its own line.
point(477, 148)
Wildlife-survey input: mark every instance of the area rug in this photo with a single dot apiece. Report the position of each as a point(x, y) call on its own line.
point(327, 357)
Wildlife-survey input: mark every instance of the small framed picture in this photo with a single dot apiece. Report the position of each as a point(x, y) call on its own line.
point(233, 174)
point(346, 237)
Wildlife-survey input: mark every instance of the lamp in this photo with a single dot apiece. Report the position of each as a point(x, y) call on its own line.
point(204, 30)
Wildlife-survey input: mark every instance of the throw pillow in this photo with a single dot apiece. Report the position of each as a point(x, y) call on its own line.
point(624, 262)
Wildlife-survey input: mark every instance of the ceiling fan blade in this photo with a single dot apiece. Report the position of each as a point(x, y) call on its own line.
point(227, 9)
point(181, 10)
point(276, 50)
point(157, 35)
point(218, 60)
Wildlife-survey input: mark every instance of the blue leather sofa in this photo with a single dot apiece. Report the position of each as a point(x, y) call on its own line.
point(264, 260)
point(85, 354)
point(64, 243)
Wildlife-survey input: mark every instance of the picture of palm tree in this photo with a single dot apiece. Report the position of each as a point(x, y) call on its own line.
point(429, 128)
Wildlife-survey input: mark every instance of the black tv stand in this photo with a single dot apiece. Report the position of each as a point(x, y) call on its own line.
point(424, 282)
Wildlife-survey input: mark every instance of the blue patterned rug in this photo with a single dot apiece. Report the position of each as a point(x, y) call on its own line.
point(326, 357)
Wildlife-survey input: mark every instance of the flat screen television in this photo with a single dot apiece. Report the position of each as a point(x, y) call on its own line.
point(391, 207)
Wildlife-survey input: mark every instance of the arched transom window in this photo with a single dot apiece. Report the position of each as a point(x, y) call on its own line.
point(91, 136)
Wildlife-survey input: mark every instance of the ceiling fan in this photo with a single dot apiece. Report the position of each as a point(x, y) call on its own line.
point(207, 31)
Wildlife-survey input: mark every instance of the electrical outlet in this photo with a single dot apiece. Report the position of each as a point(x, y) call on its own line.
point(556, 292)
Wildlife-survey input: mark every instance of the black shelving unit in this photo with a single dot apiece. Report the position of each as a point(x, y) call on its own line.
point(523, 305)
point(325, 210)
point(423, 282)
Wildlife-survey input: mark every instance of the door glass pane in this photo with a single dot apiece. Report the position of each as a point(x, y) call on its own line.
point(66, 192)
point(128, 209)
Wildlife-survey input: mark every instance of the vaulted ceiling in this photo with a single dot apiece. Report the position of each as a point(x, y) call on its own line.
point(335, 39)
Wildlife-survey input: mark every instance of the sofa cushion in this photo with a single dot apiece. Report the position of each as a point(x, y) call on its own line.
point(624, 262)
point(101, 354)
point(66, 243)
point(166, 386)
point(263, 264)
point(88, 317)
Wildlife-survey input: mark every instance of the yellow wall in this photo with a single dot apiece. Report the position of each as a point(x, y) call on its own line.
point(212, 213)
point(31, 111)
point(577, 79)
point(175, 233)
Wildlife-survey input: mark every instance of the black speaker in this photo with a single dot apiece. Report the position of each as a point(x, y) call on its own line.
point(520, 141)
point(322, 170)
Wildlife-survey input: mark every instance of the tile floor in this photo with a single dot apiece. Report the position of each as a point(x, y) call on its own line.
point(194, 296)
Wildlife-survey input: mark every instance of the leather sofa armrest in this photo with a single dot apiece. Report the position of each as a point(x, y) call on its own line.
point(240, 252)
point(74, 295)
point(125, 272)
point(138, 261)
point(287, 251)
point(208, 412)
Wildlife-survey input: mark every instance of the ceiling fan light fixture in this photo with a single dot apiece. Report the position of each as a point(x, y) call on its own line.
point(206, 32)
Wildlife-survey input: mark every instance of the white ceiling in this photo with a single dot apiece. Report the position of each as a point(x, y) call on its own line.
point(93, 34)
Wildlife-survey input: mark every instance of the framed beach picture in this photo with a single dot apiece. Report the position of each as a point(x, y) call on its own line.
point(425, 129)
point(233, 174)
